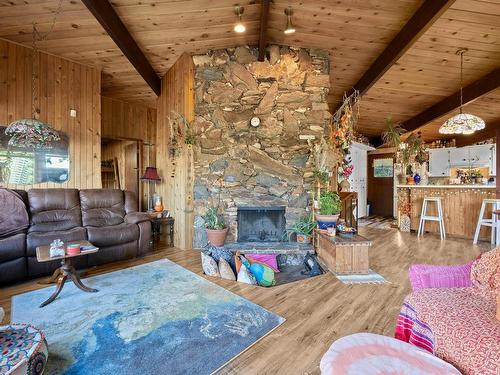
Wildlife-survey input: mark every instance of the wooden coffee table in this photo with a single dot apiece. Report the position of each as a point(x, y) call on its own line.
point(344, 254)
point(66, 271)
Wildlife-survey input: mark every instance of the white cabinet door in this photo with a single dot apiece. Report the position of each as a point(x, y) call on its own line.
point(479, 156)
point(493, 160)
point(459, 156)
point(439, 162)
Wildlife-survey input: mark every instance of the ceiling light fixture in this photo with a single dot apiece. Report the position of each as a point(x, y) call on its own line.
point(463, 123)
point(289, 29)
point(239, 27)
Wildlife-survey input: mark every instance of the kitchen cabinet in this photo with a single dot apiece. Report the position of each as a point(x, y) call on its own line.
point(441, 159)
point(439, 162)
point(479, 155)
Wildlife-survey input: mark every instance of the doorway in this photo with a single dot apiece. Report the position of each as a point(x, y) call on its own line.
point(380, 185)
point(120, 161)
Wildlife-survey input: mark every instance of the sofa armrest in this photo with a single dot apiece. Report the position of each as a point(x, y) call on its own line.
point(423, 276)
point(136, 217)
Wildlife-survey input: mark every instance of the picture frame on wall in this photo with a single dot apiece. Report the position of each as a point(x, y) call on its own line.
point(383, 168)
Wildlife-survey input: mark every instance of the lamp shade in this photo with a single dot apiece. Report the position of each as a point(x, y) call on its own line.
point(151, 174)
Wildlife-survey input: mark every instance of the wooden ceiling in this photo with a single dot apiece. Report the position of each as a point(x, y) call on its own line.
point(354, 32)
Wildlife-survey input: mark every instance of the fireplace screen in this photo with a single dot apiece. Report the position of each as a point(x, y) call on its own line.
point(261, 224)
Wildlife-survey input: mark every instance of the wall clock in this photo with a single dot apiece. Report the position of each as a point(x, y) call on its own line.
point(255, 121)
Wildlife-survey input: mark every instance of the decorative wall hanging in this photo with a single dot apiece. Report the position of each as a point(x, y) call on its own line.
point(383, 167)
point(33, 133)
point(463, 123)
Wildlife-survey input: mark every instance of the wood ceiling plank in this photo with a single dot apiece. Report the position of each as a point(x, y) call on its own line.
point(110, 21)
point(424, 17)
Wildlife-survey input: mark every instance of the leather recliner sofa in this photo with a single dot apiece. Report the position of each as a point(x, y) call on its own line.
point(108, 218)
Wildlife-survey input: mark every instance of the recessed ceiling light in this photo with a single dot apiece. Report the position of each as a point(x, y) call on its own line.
point(239, 27)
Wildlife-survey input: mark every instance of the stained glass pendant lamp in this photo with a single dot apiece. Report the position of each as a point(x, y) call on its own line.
point(31, 132)
point(463, 123)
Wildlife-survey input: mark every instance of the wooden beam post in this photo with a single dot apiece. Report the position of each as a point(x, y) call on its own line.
point(264, 16)
point(418, 24)
point(104, 12)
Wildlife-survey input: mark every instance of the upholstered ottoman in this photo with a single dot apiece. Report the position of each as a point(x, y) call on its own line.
point(24, 350)
point(370, 354)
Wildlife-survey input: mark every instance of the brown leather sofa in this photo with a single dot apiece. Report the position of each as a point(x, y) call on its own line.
point(108, 218)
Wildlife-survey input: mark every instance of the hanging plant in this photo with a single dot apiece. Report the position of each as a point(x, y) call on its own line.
point(321, 170)
point(392, 134)
point(344, 122)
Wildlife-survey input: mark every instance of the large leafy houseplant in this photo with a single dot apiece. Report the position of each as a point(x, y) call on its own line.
point(330, 206)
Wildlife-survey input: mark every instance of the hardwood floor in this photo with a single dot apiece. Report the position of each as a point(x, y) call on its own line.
point(317, 310)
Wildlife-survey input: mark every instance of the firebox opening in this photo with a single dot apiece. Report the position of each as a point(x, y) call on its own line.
point(261, 224)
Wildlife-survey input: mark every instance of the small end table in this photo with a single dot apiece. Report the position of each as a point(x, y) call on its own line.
point(157, 224)
point(66, 271)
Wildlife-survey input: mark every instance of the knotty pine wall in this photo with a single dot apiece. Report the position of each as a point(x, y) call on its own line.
point(176, 187)
point(123, 122)
point(61, 85)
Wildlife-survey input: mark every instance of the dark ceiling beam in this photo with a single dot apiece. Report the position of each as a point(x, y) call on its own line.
point(475, 90)
point(264, 17)
point(418, 24)
point(104, 12)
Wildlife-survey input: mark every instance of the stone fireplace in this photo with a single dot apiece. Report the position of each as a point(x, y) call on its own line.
point(261, 224)
point(255, 123)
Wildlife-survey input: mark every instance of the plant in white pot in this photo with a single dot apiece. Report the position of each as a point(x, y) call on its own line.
point(330, 206)
point(215, 226)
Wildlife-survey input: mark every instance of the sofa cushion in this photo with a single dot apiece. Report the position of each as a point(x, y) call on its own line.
point(113, 235)
point(102, 207)
point(13, 247)
point(13, 215)
point(13, 270)
point(54, 210)
point(41, 238)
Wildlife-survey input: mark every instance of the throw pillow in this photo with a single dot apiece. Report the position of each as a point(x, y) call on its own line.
point(225, 270)
point(485, 272)
point(262, 273)
point(237, 262)
point(266, 259)
point(245, 276)
point(209, 265)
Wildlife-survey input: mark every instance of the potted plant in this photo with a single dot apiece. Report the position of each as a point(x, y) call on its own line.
point(215, 227)
point(330, 206)
point(303, 228)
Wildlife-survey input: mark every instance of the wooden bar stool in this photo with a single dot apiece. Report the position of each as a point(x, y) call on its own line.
point(424, 217)
point(492, 222)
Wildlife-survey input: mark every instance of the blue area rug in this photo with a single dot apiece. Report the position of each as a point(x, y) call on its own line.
point(156, 318)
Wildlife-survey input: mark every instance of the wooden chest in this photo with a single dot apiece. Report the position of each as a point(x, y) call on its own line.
point(344, 254)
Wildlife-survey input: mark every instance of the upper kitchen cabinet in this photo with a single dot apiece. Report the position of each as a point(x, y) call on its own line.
point(439, 162)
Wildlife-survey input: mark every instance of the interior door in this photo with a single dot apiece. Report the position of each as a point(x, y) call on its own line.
point(380, 189)
point(131, 169)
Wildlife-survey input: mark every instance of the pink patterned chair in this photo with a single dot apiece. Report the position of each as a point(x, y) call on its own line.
point(455, 318)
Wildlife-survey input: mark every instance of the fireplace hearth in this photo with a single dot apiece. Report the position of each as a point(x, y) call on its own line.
point(261, 224)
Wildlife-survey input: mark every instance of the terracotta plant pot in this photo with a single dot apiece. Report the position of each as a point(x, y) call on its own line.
point(217, 237)
point(304, 238)
point(326, 221)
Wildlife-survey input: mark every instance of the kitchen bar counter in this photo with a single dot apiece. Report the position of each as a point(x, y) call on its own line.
point(477, 186)
point(461, 206)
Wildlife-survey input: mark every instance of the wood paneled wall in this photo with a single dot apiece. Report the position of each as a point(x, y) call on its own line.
point(61, 85)
point(123, 120)
point(176, 187)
